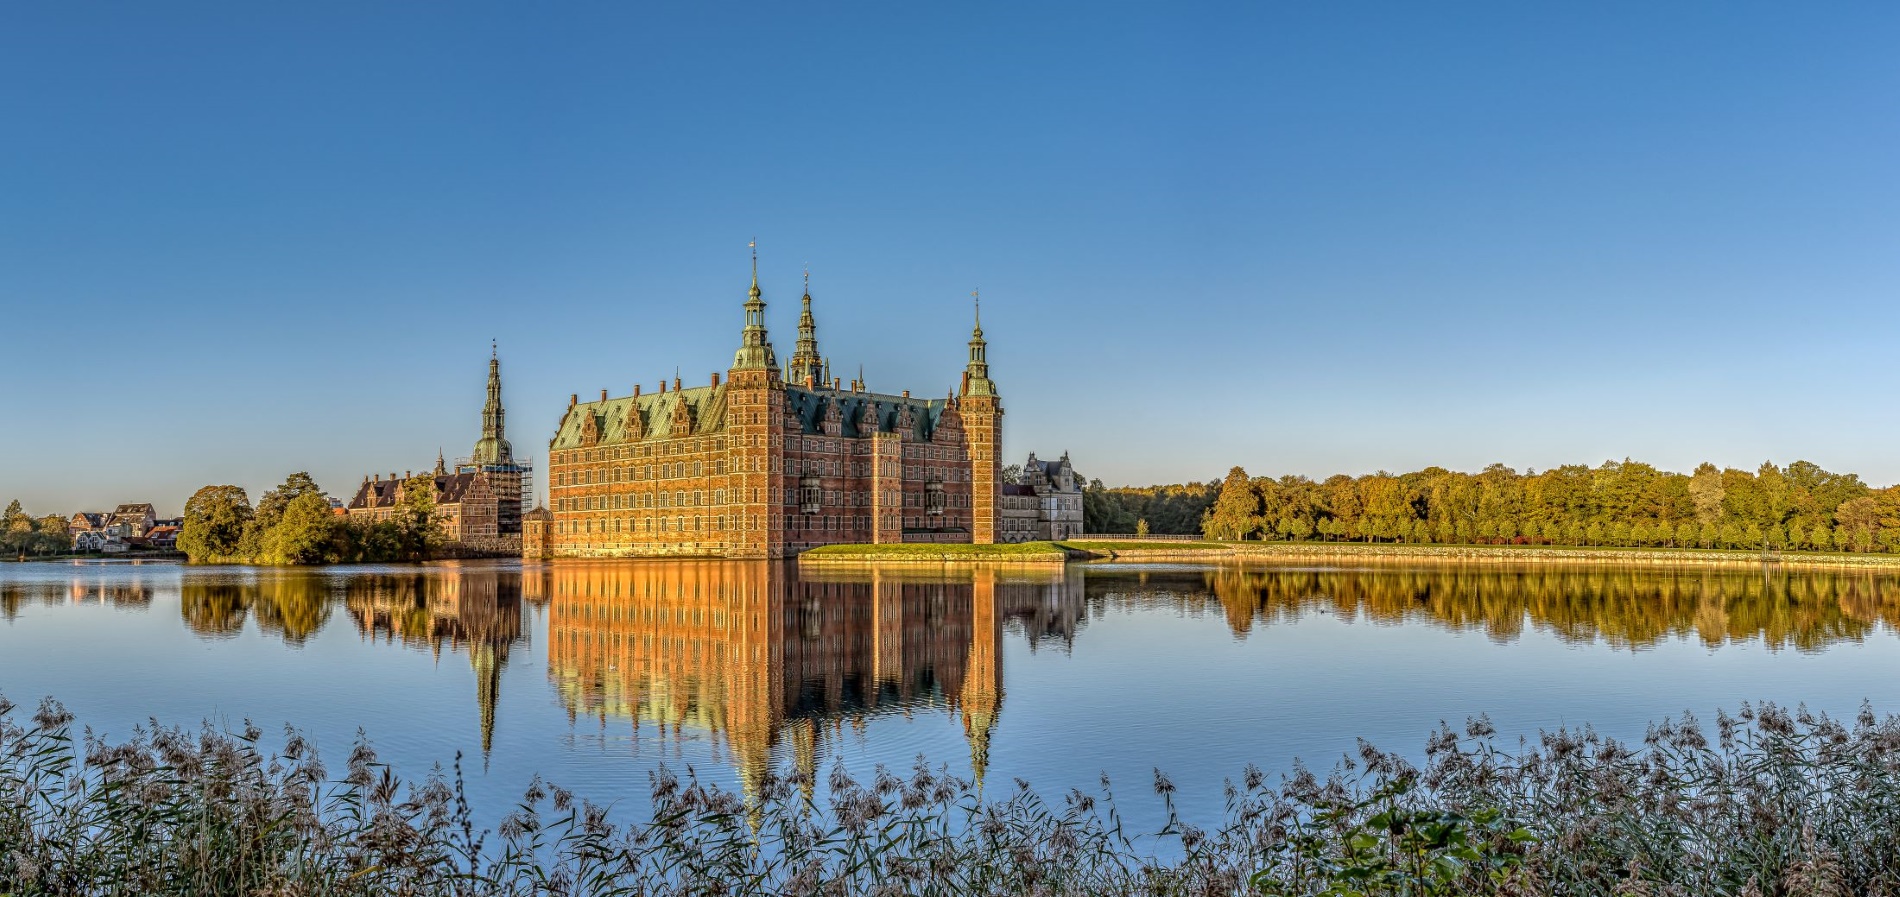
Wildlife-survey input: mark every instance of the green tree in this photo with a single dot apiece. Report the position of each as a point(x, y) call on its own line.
point(1141, 527)
point(303, 533)
point(16, 530)
point(217, 524)
point(1821, 537)
point(418, 528)
point(1706, 491)
point(51, 536)
point(1857, 519)
point(1236, 514)
point(271, 507)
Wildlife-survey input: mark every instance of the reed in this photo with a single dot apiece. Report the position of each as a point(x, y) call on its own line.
point(1773, 802)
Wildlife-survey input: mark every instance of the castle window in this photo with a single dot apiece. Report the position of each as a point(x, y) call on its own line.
point(933, 498)
point(679, 499)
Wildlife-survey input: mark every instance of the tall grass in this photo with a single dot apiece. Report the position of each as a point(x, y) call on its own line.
point(1775, 802)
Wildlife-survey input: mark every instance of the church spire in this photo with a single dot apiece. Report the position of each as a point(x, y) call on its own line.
point(755, 349)
point(806, 367)
point(976, 374)
point(493, 448)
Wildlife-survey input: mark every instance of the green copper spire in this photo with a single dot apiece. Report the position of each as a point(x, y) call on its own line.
point(755, 350)
point(493, 448)
point(806, 365)
point(976, 374)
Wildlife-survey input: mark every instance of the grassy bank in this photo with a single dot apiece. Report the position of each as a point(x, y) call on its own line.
point(1021, 552)
point(1769, 802)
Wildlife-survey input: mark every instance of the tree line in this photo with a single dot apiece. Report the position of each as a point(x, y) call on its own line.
point(294, 524)
point(1162, 510)
point(22, 534)
point(1621, 503)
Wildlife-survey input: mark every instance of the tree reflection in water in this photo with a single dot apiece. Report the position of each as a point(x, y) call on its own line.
point(1626, 607)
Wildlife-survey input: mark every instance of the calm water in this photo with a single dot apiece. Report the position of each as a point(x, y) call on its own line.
point(593, 674)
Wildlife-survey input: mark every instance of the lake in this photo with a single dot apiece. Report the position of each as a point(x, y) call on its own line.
point(593, 674)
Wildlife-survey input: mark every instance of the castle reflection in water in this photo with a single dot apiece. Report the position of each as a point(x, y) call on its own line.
point(753, 656)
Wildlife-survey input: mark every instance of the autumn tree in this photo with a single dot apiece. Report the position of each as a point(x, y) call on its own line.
point(1236, 514)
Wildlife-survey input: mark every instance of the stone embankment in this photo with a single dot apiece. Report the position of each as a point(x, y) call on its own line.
point(1137, 551)
point(1027, 553)
point(1359, 553)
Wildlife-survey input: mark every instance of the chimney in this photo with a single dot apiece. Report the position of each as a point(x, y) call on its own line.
point(603, 394)
point(392, 475)
point(837, 383)
point(715, 378)
point(636, 390)
point(906, 393)
point(573, 398)
point(676, 382)
point(662, 386)
point(408, 473)
point(379, 478)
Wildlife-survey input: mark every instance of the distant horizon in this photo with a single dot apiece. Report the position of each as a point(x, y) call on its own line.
point(239, 242)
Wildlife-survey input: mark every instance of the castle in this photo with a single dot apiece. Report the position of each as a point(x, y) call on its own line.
point(768, 463)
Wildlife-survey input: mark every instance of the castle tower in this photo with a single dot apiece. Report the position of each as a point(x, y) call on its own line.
point(494, 457)
point(982, 412)
point(806, 367)
point(493, 447)
point(755, 420)
point(537, 536)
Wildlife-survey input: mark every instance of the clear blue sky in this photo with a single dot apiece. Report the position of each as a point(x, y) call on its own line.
point(242, 240)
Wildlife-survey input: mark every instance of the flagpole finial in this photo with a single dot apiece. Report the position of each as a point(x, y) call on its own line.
point(976, 299)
